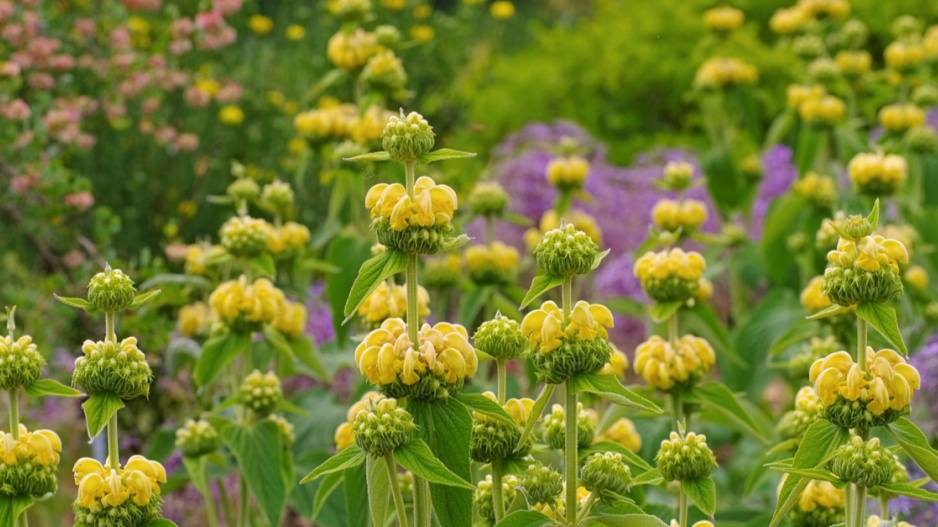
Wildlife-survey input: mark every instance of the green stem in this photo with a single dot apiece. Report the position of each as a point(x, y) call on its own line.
point(502, 369)
point(677, 405)
point(567, 298)
point(413, 309)
point(588, 505)
point(113, 455)
point(227, 506)
point(861, 343)
point(673, 330)
point(498, 501)
point(209, 499)
point(883, 507)
point(15, 413)
point(570, 452)
point(682, 505)
point(244, 508)
point(396, 489)
point(423, 511)
point(489, 230)
point(109, 331)
point(856, 506)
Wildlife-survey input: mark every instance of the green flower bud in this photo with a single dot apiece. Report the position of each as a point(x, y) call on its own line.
point(906, 26)
point(925, 96)
point(574, 356)
point(847, 287)
point(279, 197)
point(810, 351)
point(541, 484)
point(351, 10)
point(900, 474)
point(854, 414)
point(827, 237)
point(797, 242)
point(127, 514)
point(488, 198)
point(866, 464)
point(931, 312)
point(413, 240)
point(492, 440)
point(607, 475)
point(807, 410)
point(20, 362)
point(388, 36)
point(853, 34)
point(483, 495)
point(197, 438)
point(118, 368)
point(287, 430)
point(111, 291)
point(922, 139)
point(243, 189)
point(245, 236)
point(406, 481)
point(382, 426)
point(682, 458)
point(443, 272)
point(566, 251)
point(501, 338)
point(261, 392)
point(553, 431)
point(407, 138)
point(823, 70)
point(385, 72)
point(809, 47)
point(677, 176)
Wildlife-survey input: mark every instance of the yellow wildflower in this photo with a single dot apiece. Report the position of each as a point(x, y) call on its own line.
point(502, 9)
point(664, 366)
point(888, 383)
point(431, 205)
point(624, 433)
point(260, 24)
point(231, 114)
point(545, 327)
point(295, 32)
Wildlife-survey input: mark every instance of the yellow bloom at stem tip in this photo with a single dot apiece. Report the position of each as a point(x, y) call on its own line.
point(888, 383)
point(260, 24)
point(545, 327)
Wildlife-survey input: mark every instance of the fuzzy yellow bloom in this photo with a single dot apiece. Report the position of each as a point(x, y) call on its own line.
point(350, 51)
point(722, 72)
point(39, 446)
point(827, 109)
point(499, 255)
point(567, 172)
point(788, 20)
point(551, 220)
point(295, 32)
point(624, 433)
point(330, 122)
point(900, 117)
point(670, 264)
point(387, 355)
point(704, 289)
point(687, 214)
point(903, 56)
point(236, 301)
point(870, 253)
point(724, 18)
point(368, 127)
point(345, 434)
point(209, 87)
point(854, 63)
point(545, 327)
point(291, 321)
point(100, 486)
point(260, 24)
point(813, 297)
point(888, 171)
point(821, 494)
point(917, 276)
point(819, 189)
point(391, 302)
point(664, 366)
point(432, 204)
point(287, 239)
point(797, 94)
point(889, 382)
point(835, 9)
point(394, 5)
point(502, 9)
point(231, 114)
point(618, 364)
point(422, 34)
point(198, 257)
point(518, 409)
point(193, 318)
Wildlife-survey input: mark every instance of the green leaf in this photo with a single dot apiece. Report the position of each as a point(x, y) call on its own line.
point(539, 404)
point(903, 489)
point(810, 473)
point(608, 387)
point(718, 397)
point(624, 305)
point(788, 497)
point(259, 453)
point(661, 312)
point(540, 285)
point(315, 264)
point(11, 507)
point(50, 387)
point(599, 259)
point(217, 353)
point(98, 411)
point(305, 349)
point(291, 408)
point(526, 519)
point(176, 279)
point(484, 405)
point(161, 522)
point(356, 493)
point(143, 298)
point(372, 273)
point(445, 427)
point(883, 318)
point(325, 489)
point(873, 218)
point(796, 334)
point(373, 156)
point(195, 466)
point(443, 154)
point(517, 219)
point(417, 458)
point(278, 341)
point(80, 303)
point(631, 458)
point(916, 445)
point(472, 302)
point(379, 489)
point(346, 458)
point(264, 264)
point(629, 520)
point(829, 312)
point(703, 492)
point(649, 477)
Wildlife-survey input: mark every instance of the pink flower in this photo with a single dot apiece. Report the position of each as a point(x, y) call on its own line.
point(9, 69)
point(196, 98)
point(22, 184)
point(157, 62)
point(16, 110)
point(176, 252)
point(209, 20)
point(84, 27)
point(80, 200)
point(150, 105)
point(182, 27)
point(13, 34)
point(145, 127)
point(73, 259)
point(6, 11)
point(62, 62)
point(23, 140)
point(187, 142)
point(120, 38)
point(143, 5)
point(123, 61)
point(85, 141)
point(179, 47)
point(228, 93)
point(41, 81)
point(228, 7)
point(115, 110)
point(165, 135)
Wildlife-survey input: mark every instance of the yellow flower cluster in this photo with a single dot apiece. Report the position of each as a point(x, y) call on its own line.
point(193, 319)
point(341, 121)
point(518, 409)
point(502, 9)
point(930, 42)
point(670, 264)
point(797, 94)
point(901, 117)
point(687, 214)
point(786, 21)
point(567, 172)
point(391, 302)
point(888, 384)
point(551, 220)
point(581, 495)
point(874, 521)
point(618, 363)
point(723, 18)
point(813, 297)
point(821, 494)
point(431, 205)
point(917, 276)
point(236, 301)
point(624, 433)
point(387, 355)
point(664, 366)
point(870, 253)
point(39, 446)
point(499, 255)
point(291, 320)
point(545, 328)
point(350, 51)
point(902, 56)
point(854, 63)
point(723, 72)
point(260, 24)
point(101, 487)
point(827, 109)
point(821, 190)
point(836, 9)
point(345, 433)
point(287, 239)
point(884, 170)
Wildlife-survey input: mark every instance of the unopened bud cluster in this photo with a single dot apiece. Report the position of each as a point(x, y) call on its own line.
point(483, 494)
point(494, 264)
point(279, 197)
point(111, 291)
point(20, 362)
point(501, 338)
point(607, 475)
point(28, 464)
point(553, 430)
point(382, 426)
point(566, 251)
point(683, 458)
point(245, 236)
point(492, 439)
point(867, 464)
point(385, 72)
point(807, 410)
point(811, 351)
point(243, 189)
point(407, 138)
point(488, 199)
point(541, 484)
point(261, 392)
point(112, 367)
point(197, 438)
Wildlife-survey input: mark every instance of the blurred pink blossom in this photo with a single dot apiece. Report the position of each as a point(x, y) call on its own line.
point(16, 110)
point(165, 135)
point(143, 5)
point(120, 38)
point(22, 184)
point(41, 81)
point(228, 7)
point(73, 259)
point(196, 98)
point(228, 93)
point(150, 105)
point(6, 10)
point(84, 27)
point(85, 141)
point(179, 47)
point(10, 69)
point(209, 20)
point(62, 62)
point(80, 200)
point(182, 27)
point(187, 142)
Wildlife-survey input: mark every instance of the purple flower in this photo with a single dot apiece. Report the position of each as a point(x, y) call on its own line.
point(319, 324)
point(926, 360)
point(917, 512)
point(778, 175)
